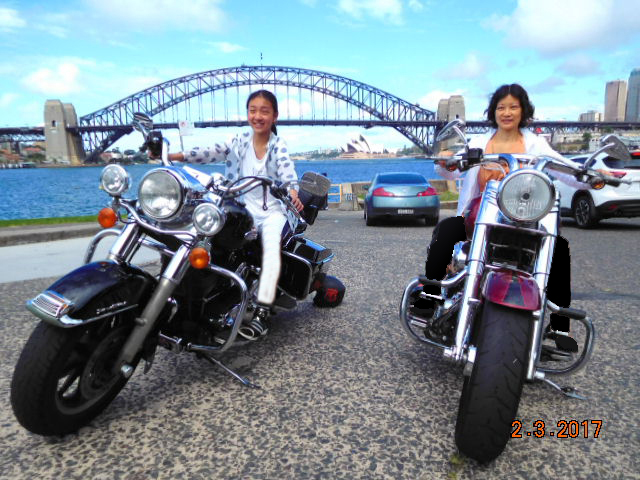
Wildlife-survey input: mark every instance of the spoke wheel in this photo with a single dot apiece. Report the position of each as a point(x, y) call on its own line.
point(584, 212)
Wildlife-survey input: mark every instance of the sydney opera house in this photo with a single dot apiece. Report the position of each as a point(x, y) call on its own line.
point(360, 147)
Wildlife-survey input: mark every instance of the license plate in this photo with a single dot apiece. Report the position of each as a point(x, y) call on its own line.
point(405, 211)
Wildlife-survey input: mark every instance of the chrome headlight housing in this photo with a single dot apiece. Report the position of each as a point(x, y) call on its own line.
point(208, 219)
point(114, 180)
point(161, 194)
point(526, 195)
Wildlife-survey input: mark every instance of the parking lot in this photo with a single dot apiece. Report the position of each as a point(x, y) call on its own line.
point(345, 393)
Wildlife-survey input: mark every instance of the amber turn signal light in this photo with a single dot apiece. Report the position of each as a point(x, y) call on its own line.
point(107, 217)
point(598, 185)
point(199, 258)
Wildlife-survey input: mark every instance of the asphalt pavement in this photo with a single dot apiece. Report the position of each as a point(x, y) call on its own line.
point(345, 393)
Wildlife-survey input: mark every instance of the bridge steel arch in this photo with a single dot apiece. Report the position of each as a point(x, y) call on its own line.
point(378, 103)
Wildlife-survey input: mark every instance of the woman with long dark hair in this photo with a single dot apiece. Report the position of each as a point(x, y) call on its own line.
point(509, 113)
point(259, 152)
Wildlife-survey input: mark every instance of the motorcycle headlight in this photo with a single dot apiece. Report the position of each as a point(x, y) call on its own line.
point(526, 196)
point(160, 194)
point(114, 180)
point(208, 219)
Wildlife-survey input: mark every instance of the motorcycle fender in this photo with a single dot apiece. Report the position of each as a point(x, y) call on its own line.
point(92, 292)
point(511, 289)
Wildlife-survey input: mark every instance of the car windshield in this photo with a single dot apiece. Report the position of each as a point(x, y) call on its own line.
point(634, 163)
point(402, 178)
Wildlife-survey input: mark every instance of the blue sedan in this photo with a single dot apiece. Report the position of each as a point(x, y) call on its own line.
point(406, 195)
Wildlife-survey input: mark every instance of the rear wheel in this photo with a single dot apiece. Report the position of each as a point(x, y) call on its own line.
point(64, 379)
point(491, 394)
point(584, 212)
point(432, 220)
point(368, 220)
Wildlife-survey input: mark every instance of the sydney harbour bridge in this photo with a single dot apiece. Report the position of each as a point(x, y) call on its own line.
point(215, 98)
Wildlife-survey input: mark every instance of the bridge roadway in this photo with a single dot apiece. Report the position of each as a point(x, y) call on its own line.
point(345, 393)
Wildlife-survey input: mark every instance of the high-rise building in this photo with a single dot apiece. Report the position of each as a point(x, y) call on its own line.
point(451, 108)
point(633, 97)
point(615, 98)
point(590, 116)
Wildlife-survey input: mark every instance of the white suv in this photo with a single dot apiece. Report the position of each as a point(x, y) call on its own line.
point(588, 207)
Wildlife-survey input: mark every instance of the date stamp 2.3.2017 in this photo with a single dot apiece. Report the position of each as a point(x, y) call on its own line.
point(561, 429)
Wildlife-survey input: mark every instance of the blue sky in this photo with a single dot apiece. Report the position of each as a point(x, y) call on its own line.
point(92, 53)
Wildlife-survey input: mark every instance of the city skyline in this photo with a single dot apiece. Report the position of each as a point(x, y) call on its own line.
point(92, 53)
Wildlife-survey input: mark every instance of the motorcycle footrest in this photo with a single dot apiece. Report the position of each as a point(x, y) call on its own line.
point(429, 296)
point(573, 313)
point(553, 354)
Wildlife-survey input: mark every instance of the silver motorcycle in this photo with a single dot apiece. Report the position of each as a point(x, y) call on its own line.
point(490, 315)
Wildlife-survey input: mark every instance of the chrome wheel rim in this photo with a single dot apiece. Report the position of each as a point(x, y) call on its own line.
point(582, 212)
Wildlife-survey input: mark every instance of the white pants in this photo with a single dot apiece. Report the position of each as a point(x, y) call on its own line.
point(270, 227)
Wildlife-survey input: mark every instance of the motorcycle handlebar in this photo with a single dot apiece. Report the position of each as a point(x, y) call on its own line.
point(592, 177)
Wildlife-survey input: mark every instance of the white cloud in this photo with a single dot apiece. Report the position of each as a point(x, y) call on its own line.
point(55, 30)
point(7, 99)
point(200, 15)
point(226, 47)
point(416, 6)
point(61, 80)
point(579, 65)
point(389, 11)
point(554, 27)
point(472, 67)
point(10, 19)
point(547, 85)
point(430, 100)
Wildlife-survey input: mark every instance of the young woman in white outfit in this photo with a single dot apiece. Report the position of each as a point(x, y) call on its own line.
point(259, 152)
point(509, 112)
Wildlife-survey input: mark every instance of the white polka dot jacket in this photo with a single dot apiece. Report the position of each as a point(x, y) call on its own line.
point(279, 164)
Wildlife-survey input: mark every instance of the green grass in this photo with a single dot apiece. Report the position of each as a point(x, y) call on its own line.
point(448, 196)
point(47, 221)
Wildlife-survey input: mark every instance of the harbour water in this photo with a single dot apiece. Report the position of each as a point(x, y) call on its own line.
point(73, 191)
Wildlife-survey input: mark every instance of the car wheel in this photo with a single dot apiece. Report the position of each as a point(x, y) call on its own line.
point(433, 220)
point(584, 212)
point(368, 220)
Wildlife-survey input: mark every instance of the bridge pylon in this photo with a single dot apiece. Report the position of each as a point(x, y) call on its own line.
point(62, 145)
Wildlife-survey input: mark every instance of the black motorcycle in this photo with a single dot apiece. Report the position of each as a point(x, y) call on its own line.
point(100, 320)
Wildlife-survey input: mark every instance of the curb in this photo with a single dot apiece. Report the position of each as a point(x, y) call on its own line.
point(45, 233)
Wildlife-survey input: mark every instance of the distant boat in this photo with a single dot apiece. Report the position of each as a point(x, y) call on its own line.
point(28, 165)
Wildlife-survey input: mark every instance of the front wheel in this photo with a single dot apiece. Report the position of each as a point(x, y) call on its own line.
point(64, 378)
point(491, 394)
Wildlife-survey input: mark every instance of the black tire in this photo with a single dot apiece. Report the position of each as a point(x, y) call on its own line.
point(367, 218)
point(431, 221)
point(63, 377)
point(584, 212)
point(491, 394)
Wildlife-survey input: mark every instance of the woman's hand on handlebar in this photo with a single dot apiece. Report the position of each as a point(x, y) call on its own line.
point(295, 200)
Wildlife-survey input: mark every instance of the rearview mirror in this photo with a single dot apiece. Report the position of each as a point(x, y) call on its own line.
point(315, 184)
point(612, 146)
point(142, 123)
point(616, 148)
point(449, 141)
